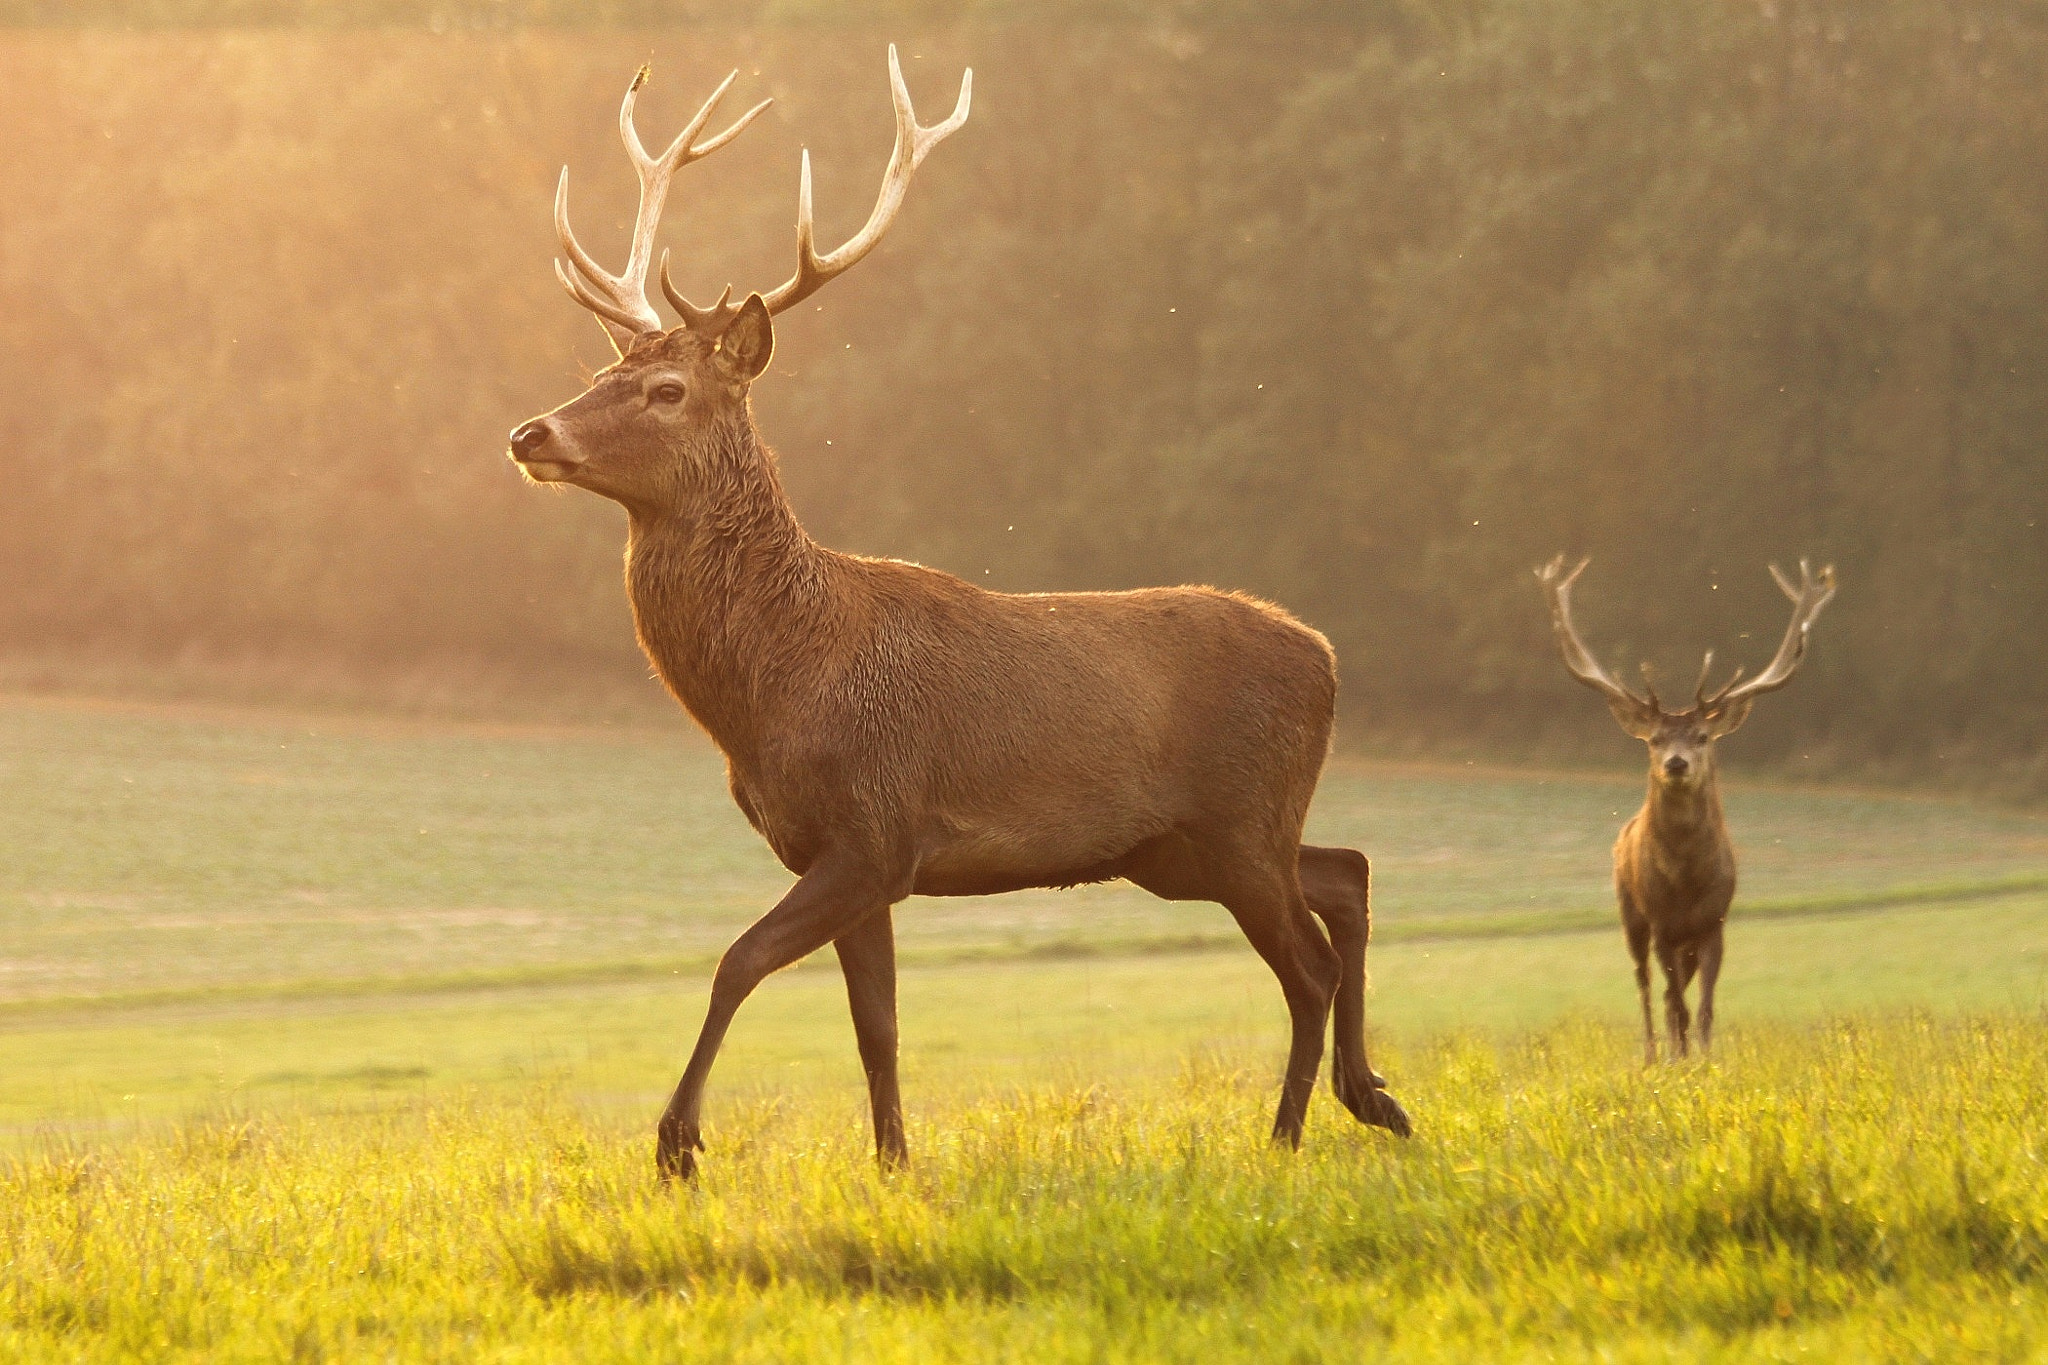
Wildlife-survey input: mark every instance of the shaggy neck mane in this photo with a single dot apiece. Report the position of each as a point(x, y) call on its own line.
point(1676, 812)
point(729, 592)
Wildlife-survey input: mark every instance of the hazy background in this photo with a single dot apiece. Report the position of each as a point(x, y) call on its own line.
point(1367, 308)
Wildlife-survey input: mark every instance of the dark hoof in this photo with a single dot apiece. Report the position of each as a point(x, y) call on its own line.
point(1375, 1106)
point(675, 1157)
point(1388, 1114)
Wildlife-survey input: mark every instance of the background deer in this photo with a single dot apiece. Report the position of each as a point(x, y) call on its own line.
point(891, 730)
point(1674, 868)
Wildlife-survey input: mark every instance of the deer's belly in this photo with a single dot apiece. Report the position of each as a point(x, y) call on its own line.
point(986, 860)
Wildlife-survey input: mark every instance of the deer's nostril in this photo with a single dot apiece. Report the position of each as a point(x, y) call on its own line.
point(1675, 765)
point(530, 437)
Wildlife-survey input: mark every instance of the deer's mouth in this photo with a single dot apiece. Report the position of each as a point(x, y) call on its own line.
point(544, 470)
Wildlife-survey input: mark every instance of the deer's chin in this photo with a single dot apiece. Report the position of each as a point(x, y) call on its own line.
point(545, 471)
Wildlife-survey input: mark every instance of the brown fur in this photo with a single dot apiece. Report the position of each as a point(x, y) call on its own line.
point(892, 730)
point(1674, 875)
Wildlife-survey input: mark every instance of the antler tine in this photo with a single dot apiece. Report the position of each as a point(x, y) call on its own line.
point(629, 132)
point(1813, 593)
point(913, 144)
point(1578, 660)
point(620, 301)
point(620, 324)
point(693, 317)
point(655, 172)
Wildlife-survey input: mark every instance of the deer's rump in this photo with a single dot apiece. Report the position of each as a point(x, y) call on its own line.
point(1046, 736)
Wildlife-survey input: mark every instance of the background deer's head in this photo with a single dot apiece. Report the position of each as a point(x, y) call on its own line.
point(1682, 742)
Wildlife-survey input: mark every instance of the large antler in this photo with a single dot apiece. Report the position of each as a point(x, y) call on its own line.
point(1578, 660)
point(1808, 598)
point(813, 271)
point(620, 301)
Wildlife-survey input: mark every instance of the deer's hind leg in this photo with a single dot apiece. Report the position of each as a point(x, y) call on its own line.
point(1336, 882)
point(1269, 908)
point(1262, 891)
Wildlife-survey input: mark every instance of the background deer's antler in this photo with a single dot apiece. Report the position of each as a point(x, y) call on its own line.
point(1812, 593)
point(1578, 660)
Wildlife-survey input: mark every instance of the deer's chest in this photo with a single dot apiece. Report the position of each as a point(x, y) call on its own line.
point(1678, 883)
point(792, 830)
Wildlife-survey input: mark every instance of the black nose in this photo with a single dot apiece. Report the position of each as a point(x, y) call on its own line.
point(531, 436)
point(1676, 765)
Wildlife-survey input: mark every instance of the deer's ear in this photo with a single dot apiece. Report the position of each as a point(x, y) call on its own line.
point(1638, 720)
point(1729, 720)
point(744, 349)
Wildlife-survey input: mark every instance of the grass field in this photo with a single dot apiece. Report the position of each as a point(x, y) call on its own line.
point(331, 1036)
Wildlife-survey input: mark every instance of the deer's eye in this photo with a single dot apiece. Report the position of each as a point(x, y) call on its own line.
point(670, 392)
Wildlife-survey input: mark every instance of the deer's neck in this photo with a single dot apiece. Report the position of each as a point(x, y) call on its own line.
point(1679, 816)
point(730, 595)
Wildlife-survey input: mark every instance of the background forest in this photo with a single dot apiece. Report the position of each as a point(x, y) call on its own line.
point(1366, 308)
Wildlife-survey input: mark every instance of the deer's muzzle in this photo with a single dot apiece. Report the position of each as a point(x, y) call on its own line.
point(540, 450)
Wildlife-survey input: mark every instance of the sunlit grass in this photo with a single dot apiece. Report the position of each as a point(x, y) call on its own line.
point(1873, 1187)
point(346, 1044)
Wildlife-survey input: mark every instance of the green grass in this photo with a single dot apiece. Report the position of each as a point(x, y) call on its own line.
point(327, 1037)
point(1871, 1189)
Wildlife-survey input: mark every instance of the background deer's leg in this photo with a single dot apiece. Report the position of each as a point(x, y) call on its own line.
point(1710, 972)
point(1336, 882)
point(1637, 930)
point(1677, 1019)
point(867, 956)
point(838, 890)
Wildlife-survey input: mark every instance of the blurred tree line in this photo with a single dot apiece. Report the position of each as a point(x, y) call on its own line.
point(1367, 308)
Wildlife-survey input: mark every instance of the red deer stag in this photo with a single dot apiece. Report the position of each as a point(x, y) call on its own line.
point(891, 730)
point(1674, 868)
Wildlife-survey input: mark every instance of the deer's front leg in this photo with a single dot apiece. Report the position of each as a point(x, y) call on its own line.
point(1710, 972)
point(867, 956)
point(1637, 931)
point(838, 891)
point(1677, 1019)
